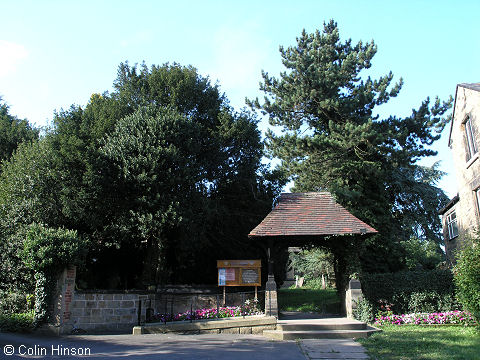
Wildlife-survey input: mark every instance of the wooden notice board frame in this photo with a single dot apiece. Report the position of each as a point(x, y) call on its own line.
point(239, 272)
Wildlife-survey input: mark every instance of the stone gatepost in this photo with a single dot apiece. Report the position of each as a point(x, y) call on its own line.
point(352, 296)
point(271, 301)
point(60, 322)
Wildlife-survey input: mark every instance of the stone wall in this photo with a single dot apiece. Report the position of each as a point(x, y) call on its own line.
point(103, 312)
point(117, 312)
point(467, 104)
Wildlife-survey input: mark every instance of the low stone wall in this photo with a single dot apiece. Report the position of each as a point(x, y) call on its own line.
point(118, 312)
point(246, 325)
point(97, 312)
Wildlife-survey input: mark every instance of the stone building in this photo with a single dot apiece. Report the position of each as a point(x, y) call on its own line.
point(461, 215)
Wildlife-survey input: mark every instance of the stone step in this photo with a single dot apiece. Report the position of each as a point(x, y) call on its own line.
point(318, 334)
point(298, 326)
point(320, 324)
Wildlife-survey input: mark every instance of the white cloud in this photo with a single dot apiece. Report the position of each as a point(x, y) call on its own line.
point(11, 55)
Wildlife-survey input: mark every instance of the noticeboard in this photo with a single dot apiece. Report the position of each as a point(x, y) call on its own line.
point(239, 272)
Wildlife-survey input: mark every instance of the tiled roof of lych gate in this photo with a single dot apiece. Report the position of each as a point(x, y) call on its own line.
point(309, 214)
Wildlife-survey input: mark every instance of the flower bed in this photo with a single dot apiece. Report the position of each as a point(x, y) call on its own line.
point(250, 308)
point(443, 318)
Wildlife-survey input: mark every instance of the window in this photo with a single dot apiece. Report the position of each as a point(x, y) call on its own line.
point(471, 146)
point(477, 198)
point(452, 225)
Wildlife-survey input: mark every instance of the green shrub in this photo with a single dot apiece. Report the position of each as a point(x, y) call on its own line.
point(423, 302)
point(364, 311)
point(47, 252)
point(315, 284)
point(12, 302)
point(411, 291)
point(22, 322)
point(448, 302)
point(467, 277)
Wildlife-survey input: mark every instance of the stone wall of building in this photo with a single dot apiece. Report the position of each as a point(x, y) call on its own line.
point(467, 104)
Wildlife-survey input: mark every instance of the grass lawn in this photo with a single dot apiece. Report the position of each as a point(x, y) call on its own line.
point(423, 342)
point(309, 300)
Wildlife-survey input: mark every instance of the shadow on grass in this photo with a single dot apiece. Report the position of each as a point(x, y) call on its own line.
point(424, 342)
point(309, 300)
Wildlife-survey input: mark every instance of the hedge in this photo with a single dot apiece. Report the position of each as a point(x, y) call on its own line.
point(23, 322)
point(410, 291)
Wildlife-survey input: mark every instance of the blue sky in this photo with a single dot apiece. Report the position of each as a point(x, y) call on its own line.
point(57, 53)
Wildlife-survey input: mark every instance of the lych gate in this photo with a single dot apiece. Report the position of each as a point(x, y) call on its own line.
point(306, 218)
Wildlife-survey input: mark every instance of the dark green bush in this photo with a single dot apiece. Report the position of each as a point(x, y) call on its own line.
point(412, 291)
point(364, 311)
point(12, 302)
point(47, 251)
point(424, 302)
point(467, 276)
point(23, 322)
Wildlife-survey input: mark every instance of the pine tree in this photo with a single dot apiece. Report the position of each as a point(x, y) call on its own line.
point(332, 140)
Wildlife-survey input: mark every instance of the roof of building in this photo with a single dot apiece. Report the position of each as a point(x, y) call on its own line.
point(472, 86)
point(309, 214)
point(450, 204)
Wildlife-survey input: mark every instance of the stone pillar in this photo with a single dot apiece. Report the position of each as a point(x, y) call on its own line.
point(352, 296)
point(60, 322)
point(271, 302)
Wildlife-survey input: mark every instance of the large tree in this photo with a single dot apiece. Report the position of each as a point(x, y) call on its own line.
point(29, 193)
point(156, 172)
point(333, 140)
point(13, 131)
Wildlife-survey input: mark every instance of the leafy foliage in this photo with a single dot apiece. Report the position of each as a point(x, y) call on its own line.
point(29, 192)
point(431, 301)
point(13, 302)
point(47, 252)
point(422, 254)
point(151, 174)
point(313, 264)
point(22, 322)
point(13, 131)
point(364, 311)
point(406, 292)
point(467, 276)
point(332, 140)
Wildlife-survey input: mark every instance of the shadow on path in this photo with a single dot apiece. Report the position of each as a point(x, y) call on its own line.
point(151, 347)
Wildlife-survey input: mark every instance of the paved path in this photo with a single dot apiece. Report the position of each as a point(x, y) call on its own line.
point(175, 347)
point(332, 349)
